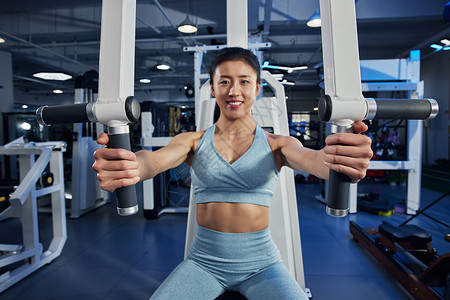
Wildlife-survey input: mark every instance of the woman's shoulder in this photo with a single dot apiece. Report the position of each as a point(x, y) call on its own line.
point(191, 138)
point(277, 141)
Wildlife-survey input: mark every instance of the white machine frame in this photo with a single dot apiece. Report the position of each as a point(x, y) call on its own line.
point(267, 112)
point(24, 206)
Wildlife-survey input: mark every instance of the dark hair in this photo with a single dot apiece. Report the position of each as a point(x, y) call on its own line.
point(235, 53)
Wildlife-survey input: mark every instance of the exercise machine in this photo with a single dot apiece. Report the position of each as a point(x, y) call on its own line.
point(405, 251)
point(18, 261)
point(271, 114)
point(152, 189)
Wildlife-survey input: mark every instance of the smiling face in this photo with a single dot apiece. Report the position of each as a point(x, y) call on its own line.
point(235, 87)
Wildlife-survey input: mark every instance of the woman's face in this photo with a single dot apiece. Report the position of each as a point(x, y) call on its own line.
point(235, 88)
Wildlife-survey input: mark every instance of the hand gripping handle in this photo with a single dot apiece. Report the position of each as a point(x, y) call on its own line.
point(339, 184)
point(126, 196)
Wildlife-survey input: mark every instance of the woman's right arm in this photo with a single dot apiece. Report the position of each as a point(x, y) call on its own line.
point(118, 167)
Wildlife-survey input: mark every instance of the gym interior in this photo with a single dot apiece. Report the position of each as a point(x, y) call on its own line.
point(63, 237)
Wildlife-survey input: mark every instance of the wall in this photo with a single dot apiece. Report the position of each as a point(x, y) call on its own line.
point(435, 72)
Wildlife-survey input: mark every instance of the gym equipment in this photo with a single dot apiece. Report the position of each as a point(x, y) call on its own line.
point(149, 194)
point(18, 261)
point(85, 188)
point(271, 114)
point(115, 107)
point(406, 253)
point(344, 103)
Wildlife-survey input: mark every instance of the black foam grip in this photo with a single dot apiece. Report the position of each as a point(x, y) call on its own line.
point(338, 190)
point(126, 196)
point(403, 109)
point(65, 114)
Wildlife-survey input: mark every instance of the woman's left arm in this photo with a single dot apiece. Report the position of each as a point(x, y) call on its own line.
point(348, 153)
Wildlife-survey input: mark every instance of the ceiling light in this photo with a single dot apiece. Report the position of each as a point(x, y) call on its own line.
point(266, 65)
point(24, 106)
point(446, 42)
point(2, 40)
point(57, 92)
point(315, 21)
point(145, 80)
point(52, 76)
point(163, 67)
point(437, 47)
point(285, 82)
point(187, 26)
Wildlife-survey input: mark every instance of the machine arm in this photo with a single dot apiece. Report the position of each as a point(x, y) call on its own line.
point(344, 103)
point(115, 107)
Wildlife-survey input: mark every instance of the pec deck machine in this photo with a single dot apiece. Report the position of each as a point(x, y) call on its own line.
point(342, 105)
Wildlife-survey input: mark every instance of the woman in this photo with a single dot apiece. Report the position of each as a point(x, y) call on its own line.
point(234, 167)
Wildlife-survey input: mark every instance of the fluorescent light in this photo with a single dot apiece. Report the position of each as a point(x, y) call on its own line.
point(285, 82)
point(266, 65)
point(315, 21)
point(163, 67)
point(52, 76)
point(2, 40)
point(289, 70)
point(437, 47)
point(57, 92)
point(145, 80)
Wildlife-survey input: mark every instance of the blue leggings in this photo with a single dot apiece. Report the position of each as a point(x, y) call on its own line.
point(248, 263)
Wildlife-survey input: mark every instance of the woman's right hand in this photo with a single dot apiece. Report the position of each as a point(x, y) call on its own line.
point(115, 167)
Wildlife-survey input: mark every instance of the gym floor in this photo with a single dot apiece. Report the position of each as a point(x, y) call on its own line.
point(111, 257)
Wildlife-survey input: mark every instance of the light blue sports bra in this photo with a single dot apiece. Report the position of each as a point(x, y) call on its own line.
point(250, 179)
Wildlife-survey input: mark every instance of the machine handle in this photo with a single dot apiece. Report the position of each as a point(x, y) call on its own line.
point(338, 183)
point(126, 196)
point(118, 135)
point(422, 109)
point(338, 191)
point(62, 114)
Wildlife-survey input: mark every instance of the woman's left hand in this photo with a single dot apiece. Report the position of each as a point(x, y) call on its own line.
point(349, 153)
